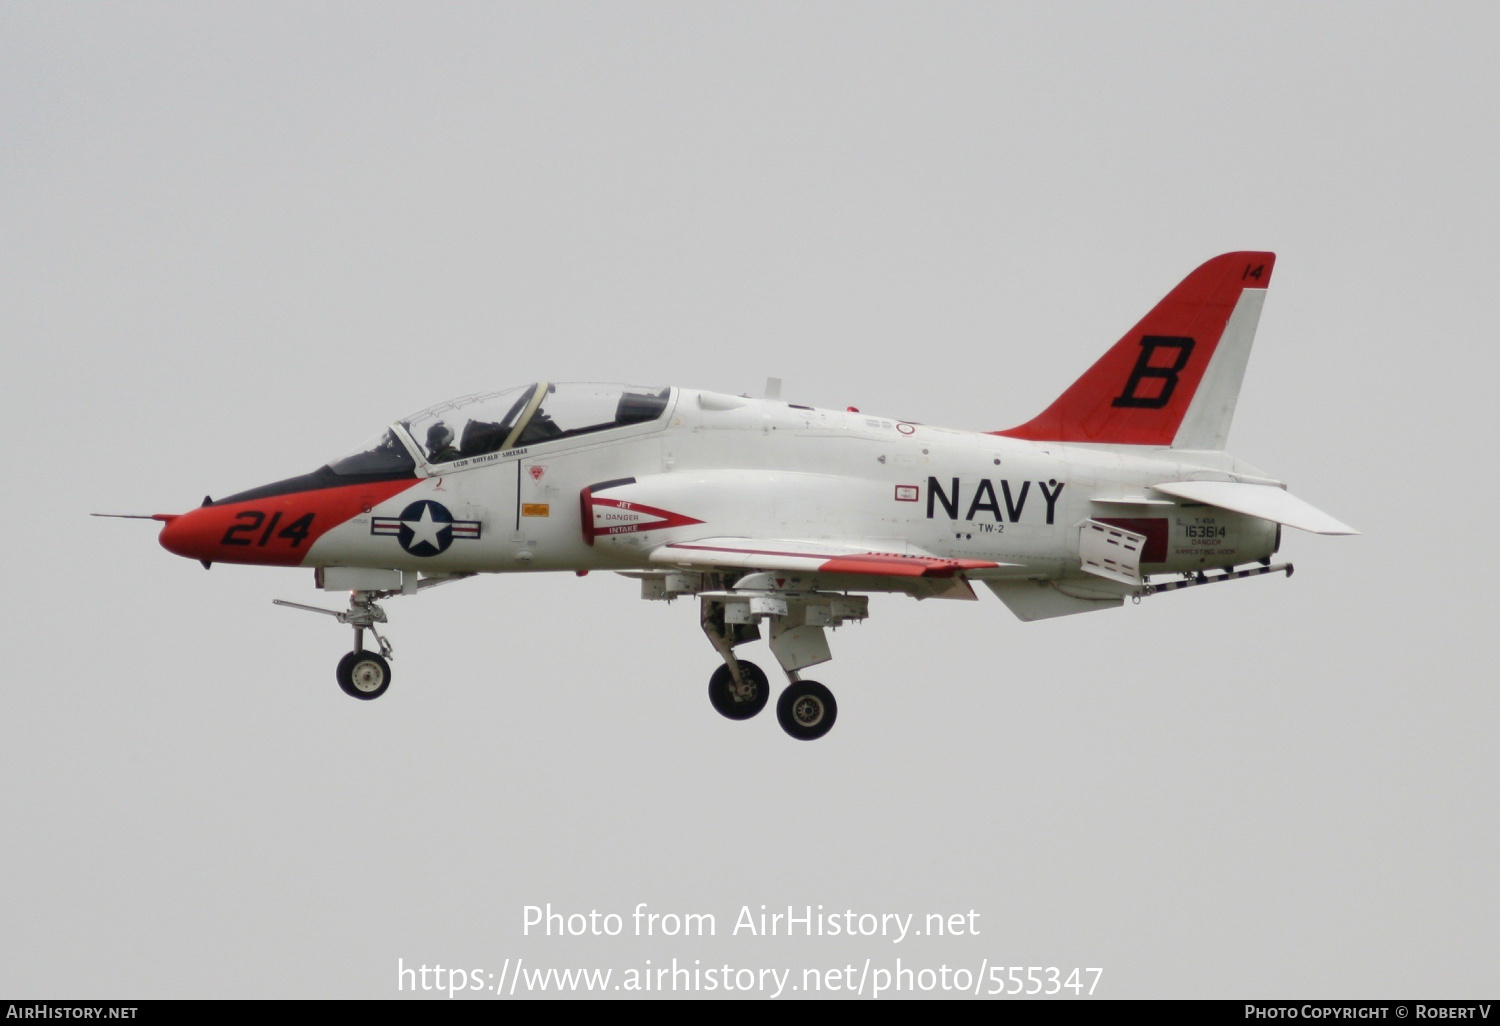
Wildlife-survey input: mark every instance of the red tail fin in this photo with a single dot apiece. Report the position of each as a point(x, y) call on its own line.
point(1139, 391)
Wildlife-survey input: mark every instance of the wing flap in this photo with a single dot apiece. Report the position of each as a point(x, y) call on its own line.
point(813, 557)
point(1257, 500)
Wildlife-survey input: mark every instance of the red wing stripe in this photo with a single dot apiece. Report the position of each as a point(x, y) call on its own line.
point(895, 565)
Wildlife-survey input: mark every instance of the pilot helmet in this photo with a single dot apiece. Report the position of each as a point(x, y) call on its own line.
point(439, 436)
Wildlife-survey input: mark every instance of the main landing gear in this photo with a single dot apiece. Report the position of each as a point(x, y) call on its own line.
point(806, 710)
point(743, 698)
point(739, 689)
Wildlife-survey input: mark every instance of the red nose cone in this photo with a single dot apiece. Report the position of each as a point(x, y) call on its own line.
point(274, 530)
point(192, 535)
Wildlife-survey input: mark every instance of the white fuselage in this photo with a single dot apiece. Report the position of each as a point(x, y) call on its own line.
point(757, 468)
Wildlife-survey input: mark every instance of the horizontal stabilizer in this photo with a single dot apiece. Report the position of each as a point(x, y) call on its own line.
point(812, 557)
point(1257, 500)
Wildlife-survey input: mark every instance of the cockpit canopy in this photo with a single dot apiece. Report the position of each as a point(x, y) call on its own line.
point(490, 422)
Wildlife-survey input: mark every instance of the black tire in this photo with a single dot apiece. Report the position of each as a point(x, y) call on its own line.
point(364, 675)
point(806, 710)
point(737, 707)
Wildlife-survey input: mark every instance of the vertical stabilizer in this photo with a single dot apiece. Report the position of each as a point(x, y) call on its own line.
point(1172, 379)
point(1206, 423)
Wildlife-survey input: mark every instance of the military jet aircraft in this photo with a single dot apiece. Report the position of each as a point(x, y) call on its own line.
point(781, 518)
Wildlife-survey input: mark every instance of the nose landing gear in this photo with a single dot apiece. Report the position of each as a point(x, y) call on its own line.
point(367, 675)
point(363, 675)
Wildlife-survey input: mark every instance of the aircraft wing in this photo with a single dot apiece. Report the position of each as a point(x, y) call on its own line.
point(813, 557)
point(1257, 500)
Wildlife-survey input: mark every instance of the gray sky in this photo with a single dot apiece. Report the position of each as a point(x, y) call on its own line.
point(235, 240)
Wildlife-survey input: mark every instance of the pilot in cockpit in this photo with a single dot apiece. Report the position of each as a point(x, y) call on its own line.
point(440, 444)
point(540, 428)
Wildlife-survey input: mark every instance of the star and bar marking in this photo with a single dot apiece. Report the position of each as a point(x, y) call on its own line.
point(425, 528)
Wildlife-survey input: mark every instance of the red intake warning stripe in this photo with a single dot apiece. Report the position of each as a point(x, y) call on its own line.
point(621, 516)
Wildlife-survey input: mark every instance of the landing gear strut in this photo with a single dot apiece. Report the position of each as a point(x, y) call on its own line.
point(367, 675)
point(363, 675)
point(739, 689)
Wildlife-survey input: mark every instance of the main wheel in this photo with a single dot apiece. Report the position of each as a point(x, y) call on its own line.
point(745, 701)
point(806, 710)
point(364, 675)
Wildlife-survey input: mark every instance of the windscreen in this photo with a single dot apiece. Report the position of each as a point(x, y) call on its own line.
point(384, 455)
point(471, 425)
point(476, 425)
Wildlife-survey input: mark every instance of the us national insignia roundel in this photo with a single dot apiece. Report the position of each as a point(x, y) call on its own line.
point(425, 528)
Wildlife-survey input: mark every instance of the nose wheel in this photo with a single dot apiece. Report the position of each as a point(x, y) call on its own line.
point(364, 675)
